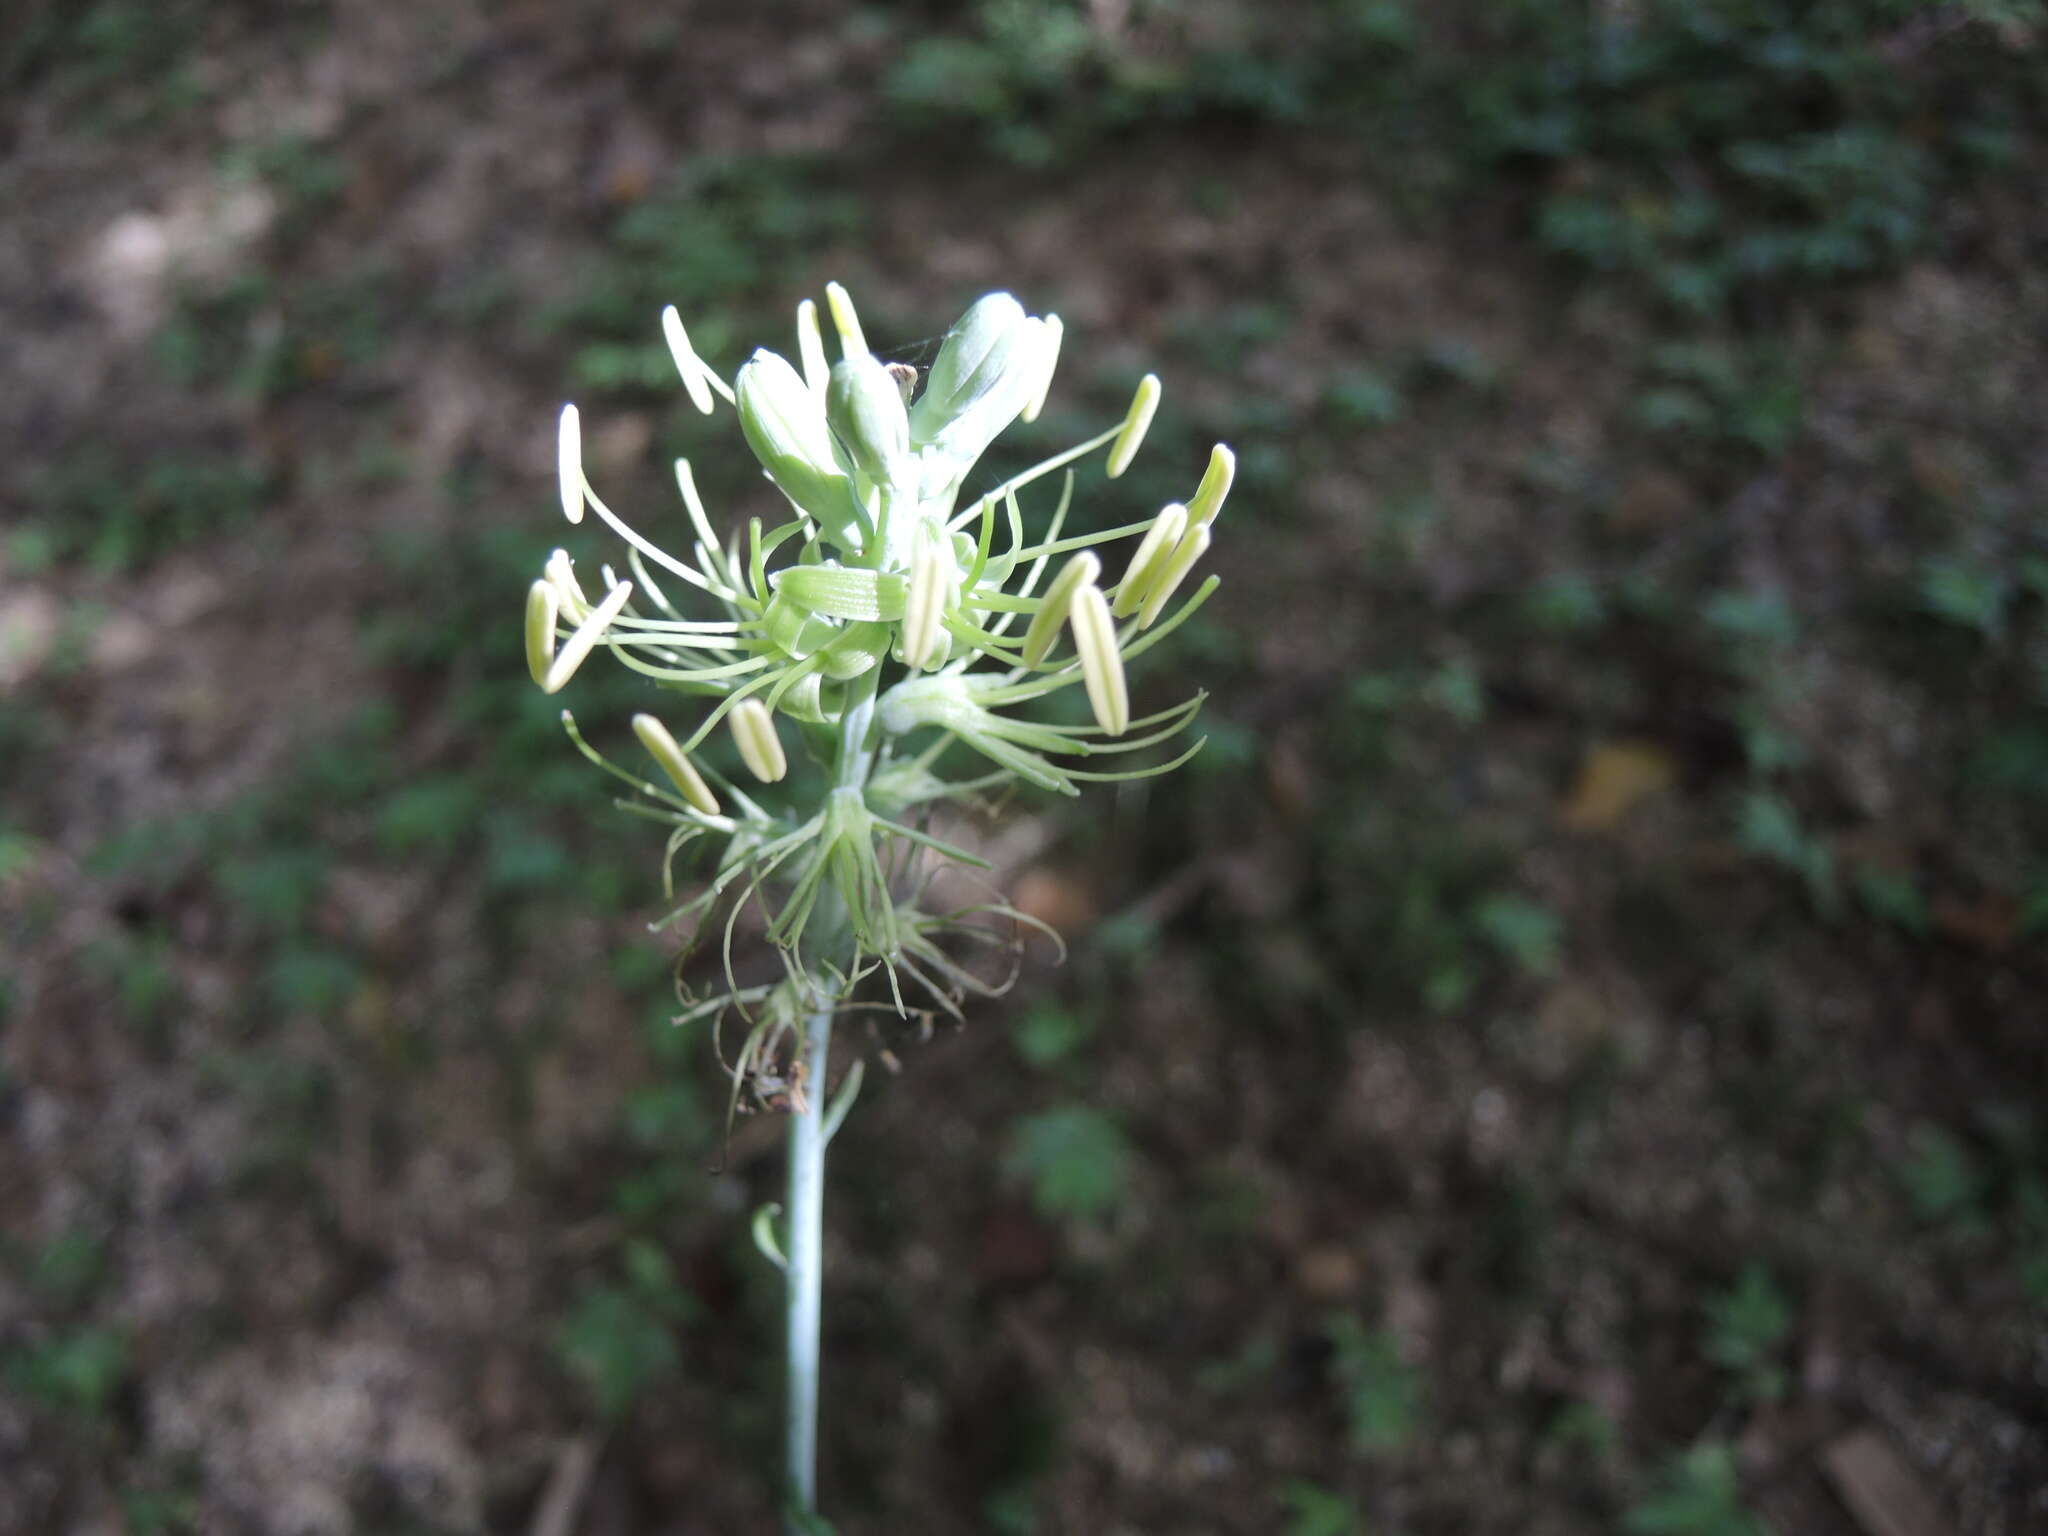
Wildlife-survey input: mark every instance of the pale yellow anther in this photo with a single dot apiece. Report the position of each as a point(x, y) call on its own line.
point(1136, 420)
point(587, 634)
point(1052, 612)
point(661, 746)
point(1102, 667)
point(1186, 554)
point(925, 607)
point(688, 364)
point(810, 348)
point(851, 342)
point(1154, 550)
point(1214, 487)
point(753, 728)
point(1053, 331)
point(569, 463)
point(561, 575)
point(543, 606)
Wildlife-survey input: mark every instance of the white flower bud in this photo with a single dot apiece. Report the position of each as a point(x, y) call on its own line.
point(784, 424)
point(864, 410)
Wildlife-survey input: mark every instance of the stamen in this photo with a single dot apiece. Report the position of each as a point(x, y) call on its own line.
point(569, 463)
point(1101, 668)
point(578, 645)
point(688, 364)
point(753, 728)
point(561, 574)
point(1154, 551)
point(543, 606)
point(1045, 626)
point(1136, 420)
point(661, 746)
point(1215, 486)
point(926, 606)
point(1191, 548)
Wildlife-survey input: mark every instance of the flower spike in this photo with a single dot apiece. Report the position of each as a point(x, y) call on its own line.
point(1136, 420)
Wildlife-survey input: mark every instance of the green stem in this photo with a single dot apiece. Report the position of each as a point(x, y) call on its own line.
point(805, 1252)
point(806, 1270)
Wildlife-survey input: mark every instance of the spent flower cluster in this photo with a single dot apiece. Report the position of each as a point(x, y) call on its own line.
point(873, 625)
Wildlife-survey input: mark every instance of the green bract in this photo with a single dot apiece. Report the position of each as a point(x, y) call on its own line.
point(864, 627)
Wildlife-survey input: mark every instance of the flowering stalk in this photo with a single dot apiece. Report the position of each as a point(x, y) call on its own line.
point(846, 645)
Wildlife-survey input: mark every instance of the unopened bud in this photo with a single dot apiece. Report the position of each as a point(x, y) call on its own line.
point(864, 410)
point(1154, 550)
point(1045, 624)
point(784, 424)
point(569, 463)
point(586, 635)
point(1136, 420)
point(753, 728)
point(992, 365)
point(1215, 486)
point(1102, 668)
point(661, 746)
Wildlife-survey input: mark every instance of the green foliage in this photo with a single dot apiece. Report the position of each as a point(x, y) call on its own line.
point(1074, 1159)
point(1748, 1326)
point(1313, 1510)
point(1770, 829)
point(1700, 1495)
point(76, 1371)
point(619, 1339)
point(1525, 931)
point(1382, 1393)
point(1943, 1179)
point(1049, 1033)
point(96, 509)
point(1966, 594)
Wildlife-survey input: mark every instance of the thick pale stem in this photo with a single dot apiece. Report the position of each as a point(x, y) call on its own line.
point(806, 1256)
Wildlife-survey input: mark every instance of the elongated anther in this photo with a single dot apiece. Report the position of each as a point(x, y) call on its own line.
point(1193, 545)
point(1045, 624)
point(810, 348)
point(925, 607)
point(688, 364)
point(661, 746)
point(1214, 487)
point(851, 342)
point(543, 606)
point(1102, 668)
point(1154, 550)
point(561, 575)
point(1136, 420)
point(753, 728)
point(586, 635)
point(1053, 331)
point(569, 463)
